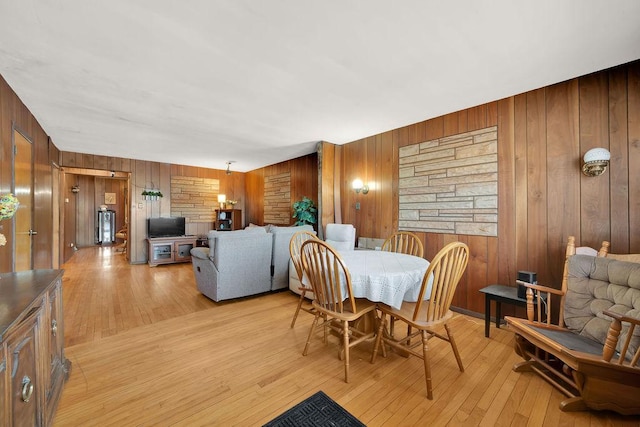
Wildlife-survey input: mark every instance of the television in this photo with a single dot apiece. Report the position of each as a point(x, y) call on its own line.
point(166, 227)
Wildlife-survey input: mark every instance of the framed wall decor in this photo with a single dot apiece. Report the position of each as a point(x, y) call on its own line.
point(109, 198)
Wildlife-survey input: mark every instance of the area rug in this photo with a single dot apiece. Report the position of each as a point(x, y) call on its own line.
point(315, 411)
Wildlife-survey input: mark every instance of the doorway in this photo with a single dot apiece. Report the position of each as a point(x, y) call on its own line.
point(85, 192)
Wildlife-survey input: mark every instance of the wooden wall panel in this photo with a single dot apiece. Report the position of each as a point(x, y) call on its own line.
point(536, 194)
point(520, 175)
point(327, 162)
point(619, 165)
point(633, 103)
point(594, 191)
point(255, 192)
point(563, 183)
point(543, 196)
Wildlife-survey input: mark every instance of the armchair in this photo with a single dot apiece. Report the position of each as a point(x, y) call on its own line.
point(342, 237)
point(236, 264)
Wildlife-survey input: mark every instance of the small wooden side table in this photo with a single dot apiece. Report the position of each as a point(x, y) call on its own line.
point(500, 294)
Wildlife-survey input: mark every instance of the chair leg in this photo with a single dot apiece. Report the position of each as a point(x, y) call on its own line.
point(345, 345)
point(295, 315)
point(313, 327)
point(427, 363)
point(378, 339)
point(454, 347)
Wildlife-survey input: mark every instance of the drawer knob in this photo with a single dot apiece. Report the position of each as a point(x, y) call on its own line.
point(27, 389)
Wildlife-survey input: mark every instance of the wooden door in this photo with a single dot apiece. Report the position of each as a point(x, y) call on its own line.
point(23, 173)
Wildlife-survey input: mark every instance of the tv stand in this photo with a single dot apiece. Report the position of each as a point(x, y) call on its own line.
point(170, 250)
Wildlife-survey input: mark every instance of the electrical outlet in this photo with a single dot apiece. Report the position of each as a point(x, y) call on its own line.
point(357, 206)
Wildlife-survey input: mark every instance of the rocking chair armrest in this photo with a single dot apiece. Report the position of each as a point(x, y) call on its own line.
point(538, 290)
point(541, 288)
point(613, 334)
point(621, 317)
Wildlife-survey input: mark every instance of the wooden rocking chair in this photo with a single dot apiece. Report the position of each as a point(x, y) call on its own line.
point(589, 354)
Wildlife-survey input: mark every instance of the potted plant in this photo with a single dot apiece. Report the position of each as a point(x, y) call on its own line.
point(305, 212)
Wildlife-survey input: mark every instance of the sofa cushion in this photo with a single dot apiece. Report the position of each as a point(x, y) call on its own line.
point(267, 227)
point(213, 235)
point(597, 284)
point(342, 237)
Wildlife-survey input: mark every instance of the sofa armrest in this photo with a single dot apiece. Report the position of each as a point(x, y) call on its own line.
point(200, 253)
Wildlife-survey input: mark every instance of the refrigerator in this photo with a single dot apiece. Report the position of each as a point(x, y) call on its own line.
point(105, 226)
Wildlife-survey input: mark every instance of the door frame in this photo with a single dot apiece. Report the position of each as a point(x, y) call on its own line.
point(103, 173)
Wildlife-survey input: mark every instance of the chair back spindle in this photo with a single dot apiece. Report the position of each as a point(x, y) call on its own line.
point(404, 242)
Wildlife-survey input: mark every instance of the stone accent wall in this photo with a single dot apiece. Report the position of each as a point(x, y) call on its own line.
point(277, 199)
point(450, 185)
point(194, 198)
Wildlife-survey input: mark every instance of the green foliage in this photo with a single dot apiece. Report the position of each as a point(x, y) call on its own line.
point(305, 211)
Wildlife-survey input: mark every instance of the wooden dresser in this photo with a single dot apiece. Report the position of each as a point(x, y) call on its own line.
point(33, 368)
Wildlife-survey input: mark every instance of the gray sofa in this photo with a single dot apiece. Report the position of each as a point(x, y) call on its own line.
point(244, 262)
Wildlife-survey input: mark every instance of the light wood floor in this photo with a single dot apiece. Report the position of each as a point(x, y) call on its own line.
point(148, 350)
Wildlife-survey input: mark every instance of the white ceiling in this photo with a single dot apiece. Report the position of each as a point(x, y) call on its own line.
point(201, 82)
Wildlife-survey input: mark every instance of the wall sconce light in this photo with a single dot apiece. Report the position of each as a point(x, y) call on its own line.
point(75, 189)
point(358, 186)
point(596, 161)
point(222, 198)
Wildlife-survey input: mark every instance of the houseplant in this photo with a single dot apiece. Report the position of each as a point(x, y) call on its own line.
point(305, 211)
point(8, 207)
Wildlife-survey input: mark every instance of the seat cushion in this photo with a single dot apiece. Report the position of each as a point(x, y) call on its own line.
point(597, 284)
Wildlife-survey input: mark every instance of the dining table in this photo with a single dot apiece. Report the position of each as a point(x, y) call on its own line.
point(386, 277)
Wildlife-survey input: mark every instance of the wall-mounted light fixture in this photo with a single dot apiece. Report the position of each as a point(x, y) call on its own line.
point(596, 161)
point(222, 198)
point(228, 171)
point(358, 186)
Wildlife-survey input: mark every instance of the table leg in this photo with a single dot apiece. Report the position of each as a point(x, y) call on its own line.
point(487, 315)
point(498, 313)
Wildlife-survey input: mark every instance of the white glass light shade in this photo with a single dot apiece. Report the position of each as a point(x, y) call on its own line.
point(597, 155)
point(596, 161)
point(222, 198)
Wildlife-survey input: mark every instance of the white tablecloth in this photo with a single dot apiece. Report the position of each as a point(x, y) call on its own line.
point(387, 277)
